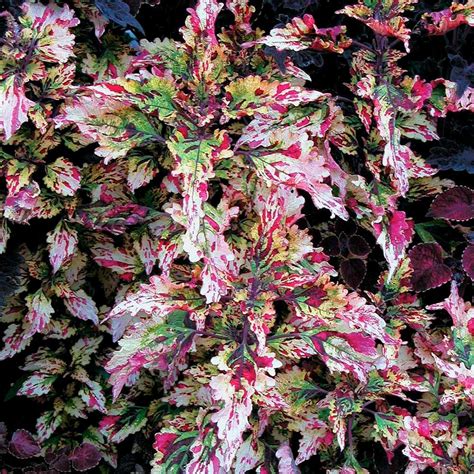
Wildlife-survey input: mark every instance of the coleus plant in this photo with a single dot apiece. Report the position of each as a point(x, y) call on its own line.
point(175, 181)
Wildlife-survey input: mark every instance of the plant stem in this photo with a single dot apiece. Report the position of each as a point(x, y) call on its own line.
point(212, 334)
point(362, 45)
point(349, 434)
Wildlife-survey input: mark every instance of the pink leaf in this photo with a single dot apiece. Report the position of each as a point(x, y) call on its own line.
point(93, 395)
point(439, 23)
point(159, 298)
point(141, 170)
point(386, 20)
point(200, 24)
point(352, 352)
point(429, 271)
point(253, 95)
point(394, 234)
point(233, 418)
point(456, 204)
point(314, 433)
point(15, 339)
point(195, 158)
point(460, 311)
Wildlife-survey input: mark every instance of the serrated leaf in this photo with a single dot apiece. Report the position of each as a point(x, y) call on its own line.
point(302, 33)
point(37, 385)
point(454, 204)
point(63, 177)
point(141, 170)
point(468, 261)
point(85, 457)
point(47, 424)
point(62, 242)
point(39, 311)
point(353, 271)
point(23, 445)
point(78, 303)
point(429, 271)
point(15, 105)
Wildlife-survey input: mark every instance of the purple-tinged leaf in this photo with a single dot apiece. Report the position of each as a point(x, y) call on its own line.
point(450, 155)
point(331, 245)
point(3, 437)
point(59, 460)
point(353, 271)
point(429, 271)
point(85, 457)
point(456, 204)
point(23, 445)
point(468, 261)
point(358, 246)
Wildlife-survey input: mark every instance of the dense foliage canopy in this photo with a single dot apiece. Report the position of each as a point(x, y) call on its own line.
point(236, 237)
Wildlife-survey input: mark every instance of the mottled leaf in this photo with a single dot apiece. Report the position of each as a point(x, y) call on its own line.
point(62, 242)
point(63, 177)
